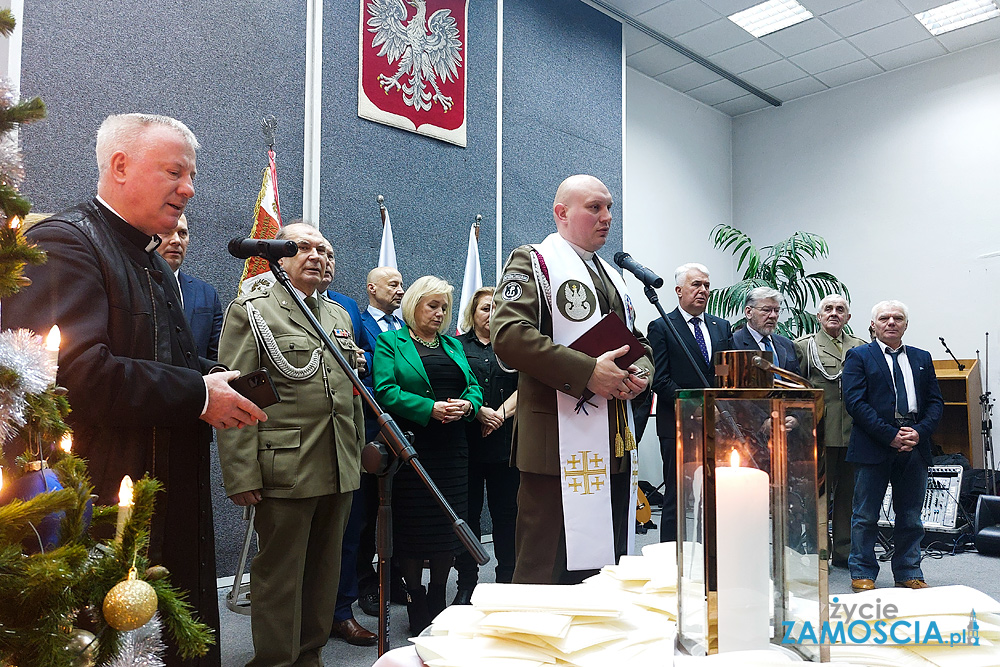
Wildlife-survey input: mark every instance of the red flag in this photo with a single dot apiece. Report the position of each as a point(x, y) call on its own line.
point(266, 223)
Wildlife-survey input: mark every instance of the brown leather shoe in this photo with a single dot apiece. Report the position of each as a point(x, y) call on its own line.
point(353, 633)
point(912, 583)
point(859, 585)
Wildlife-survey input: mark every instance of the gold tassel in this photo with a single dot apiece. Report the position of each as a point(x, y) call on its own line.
point(619, 442)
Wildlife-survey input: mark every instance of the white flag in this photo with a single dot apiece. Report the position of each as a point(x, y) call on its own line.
point(473, 276)
point(387, 252)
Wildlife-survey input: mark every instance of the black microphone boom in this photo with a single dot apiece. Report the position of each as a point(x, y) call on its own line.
point(269, 249)
point(645, 276)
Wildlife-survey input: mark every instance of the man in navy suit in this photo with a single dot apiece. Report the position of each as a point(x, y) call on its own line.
point(202, 307)
point(761, 308)
point(682, 359)
point(892, 393)
point(385, 293)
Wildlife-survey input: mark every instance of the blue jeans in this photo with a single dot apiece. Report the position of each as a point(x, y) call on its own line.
point(908, 474)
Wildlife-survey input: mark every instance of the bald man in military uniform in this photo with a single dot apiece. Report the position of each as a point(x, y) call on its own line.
point(301, 468)
point(526, 337)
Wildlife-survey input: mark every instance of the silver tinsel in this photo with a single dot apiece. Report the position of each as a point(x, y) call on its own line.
point(143, 647)
point(24, 353)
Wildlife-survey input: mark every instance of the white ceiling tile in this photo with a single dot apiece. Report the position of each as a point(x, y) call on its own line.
point(636, 40)
point(864, 15)
point(890, 36)
point(801, 37)
point(740, 105)
point(978, 33)
point(716, 92)
point(688, 76)
point(678, 17)
point(820, 7)
point(730, 7)
point(634, 7)
point(827, 57)
point(744, 57)
point(796, 89)
point(848, 73)
point(715, 37)
point(910, 54)
point(916, 6)
point(656, 60)
point(774, 74)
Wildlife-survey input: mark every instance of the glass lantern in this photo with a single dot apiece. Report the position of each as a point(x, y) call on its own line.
point(752, 519)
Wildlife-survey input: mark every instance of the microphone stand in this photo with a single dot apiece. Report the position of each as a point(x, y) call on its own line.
point(386, 463)
point(960, 365)
point(986, 417)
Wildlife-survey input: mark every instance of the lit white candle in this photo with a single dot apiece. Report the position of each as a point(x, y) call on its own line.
point(52, 345)
point(742, 508)
point(124, 506)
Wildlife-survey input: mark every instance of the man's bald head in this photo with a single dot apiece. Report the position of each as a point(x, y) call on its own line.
point(385, 288)
point(582, 211)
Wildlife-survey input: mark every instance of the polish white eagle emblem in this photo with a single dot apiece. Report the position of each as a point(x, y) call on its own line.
point(429, 50)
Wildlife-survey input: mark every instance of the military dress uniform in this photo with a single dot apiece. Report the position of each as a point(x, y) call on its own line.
point(306, 459)
point(822, 364)
point(522, 338)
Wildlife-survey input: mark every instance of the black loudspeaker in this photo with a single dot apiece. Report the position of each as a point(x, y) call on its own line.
point(988, 525)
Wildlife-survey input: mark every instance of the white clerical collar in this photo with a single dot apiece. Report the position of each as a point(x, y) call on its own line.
point(154, 240)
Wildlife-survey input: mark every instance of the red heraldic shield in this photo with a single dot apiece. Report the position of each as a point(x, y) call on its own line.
point(413, 61)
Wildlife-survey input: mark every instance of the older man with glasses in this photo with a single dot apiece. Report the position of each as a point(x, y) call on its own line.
point(761, 309)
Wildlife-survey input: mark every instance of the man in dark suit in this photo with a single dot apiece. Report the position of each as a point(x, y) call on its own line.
point(202, 307)
point(682, 357)
point(761, 308)
point(385, 293)
point(892, 393)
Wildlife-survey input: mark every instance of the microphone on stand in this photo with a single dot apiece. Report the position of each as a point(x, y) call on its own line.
point(268, 249)
point(645, 276)
point(961, 366)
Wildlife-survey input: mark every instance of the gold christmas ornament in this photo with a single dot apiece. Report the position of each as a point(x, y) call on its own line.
point(130, 604)
point(82, 648)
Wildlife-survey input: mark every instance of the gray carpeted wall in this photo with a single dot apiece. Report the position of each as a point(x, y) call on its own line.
point(222, 65)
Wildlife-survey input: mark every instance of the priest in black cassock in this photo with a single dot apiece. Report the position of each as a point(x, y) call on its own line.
point(141, 403)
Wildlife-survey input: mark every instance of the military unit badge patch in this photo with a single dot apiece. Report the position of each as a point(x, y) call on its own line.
point(575, 300)
point(511, 292)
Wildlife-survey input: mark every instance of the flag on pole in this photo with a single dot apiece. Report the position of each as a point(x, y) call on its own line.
point(387, 251)
point(473, 274)
point(266, 223)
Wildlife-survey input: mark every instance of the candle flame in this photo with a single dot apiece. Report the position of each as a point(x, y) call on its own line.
point(125, 492)
point(14, 223)
point(52, 340)
point(734, 459)
point(66, 444)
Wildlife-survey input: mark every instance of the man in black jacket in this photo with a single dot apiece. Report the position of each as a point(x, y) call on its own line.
point(141, 403)
point(682, 358)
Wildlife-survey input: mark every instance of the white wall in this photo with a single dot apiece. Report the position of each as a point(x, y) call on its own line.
point(678, 186)
point(900, 174)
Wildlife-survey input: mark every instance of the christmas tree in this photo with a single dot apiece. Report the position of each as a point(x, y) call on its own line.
point(66, 597)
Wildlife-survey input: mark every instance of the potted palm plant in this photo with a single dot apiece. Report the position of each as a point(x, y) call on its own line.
point(781, 266)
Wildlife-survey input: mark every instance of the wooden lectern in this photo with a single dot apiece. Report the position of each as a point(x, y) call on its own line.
point(960, 430)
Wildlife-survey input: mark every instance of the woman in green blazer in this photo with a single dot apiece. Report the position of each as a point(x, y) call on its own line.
point(423, 379)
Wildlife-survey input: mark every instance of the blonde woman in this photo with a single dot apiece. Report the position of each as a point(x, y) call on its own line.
point(423, 379)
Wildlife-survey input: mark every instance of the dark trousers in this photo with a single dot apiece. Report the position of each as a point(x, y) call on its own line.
point(347, 591)
point(840, 486)
point(540, 541)
point(668, 517)
point(907, 472)
point(501, 483)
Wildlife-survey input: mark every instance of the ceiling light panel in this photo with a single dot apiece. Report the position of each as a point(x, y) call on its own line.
point(957, 15)
point(771, 16)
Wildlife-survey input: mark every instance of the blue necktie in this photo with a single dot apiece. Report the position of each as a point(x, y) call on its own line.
point(774, 355)
point(699, 337)
point(390, 322)
point(902, 405)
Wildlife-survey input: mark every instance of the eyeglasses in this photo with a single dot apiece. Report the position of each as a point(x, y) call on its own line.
point(768, 309)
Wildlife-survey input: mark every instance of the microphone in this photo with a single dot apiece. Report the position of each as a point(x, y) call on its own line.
point(788, 376)
point(960, 365)
point(645, 276)
point(269, 249)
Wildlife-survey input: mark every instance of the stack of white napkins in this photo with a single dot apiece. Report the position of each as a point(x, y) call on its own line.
point(628, 611)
